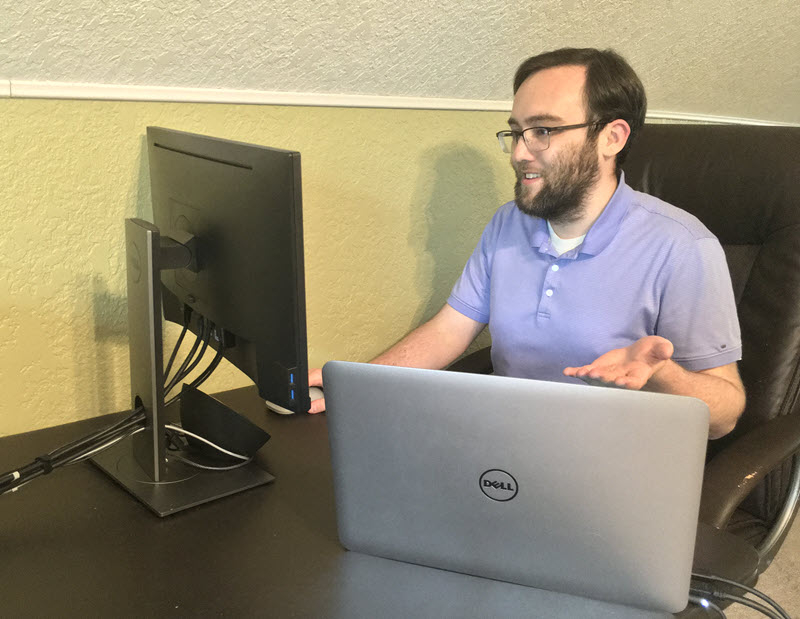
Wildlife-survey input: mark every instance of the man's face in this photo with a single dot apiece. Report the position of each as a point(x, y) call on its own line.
point(553, 183)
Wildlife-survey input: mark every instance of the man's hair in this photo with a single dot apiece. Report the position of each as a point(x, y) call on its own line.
point(613, 90)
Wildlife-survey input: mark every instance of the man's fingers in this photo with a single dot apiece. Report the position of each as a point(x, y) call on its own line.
point(315, 377)
point(317, 406)
point(607, 373)
point(663, 350)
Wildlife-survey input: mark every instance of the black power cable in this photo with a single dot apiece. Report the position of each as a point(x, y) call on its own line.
point(72, 452)
point(204, 374)
point(699, 598)
point(716, 592)
point(175, 351)
point(181, 373)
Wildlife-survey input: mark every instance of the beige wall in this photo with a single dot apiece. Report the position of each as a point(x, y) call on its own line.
point(394, 202)
point(734, 58)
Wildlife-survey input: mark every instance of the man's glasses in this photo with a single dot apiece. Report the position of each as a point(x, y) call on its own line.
point(536, 138)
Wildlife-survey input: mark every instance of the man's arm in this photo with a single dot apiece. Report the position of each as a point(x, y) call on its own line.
point(646, 364)
point(433, 345)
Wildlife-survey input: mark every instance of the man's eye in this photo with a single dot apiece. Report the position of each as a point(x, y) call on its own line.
point(540, 132)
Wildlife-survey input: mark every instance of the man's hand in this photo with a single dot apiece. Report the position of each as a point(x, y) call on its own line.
point(433, 345)
point(630, 367)
point(315, 380)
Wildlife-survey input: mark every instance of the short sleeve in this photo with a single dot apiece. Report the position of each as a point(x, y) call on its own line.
point(698, 309)
point(471, 294)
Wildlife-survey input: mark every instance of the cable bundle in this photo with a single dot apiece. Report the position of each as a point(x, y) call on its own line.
point(194, 357)
point(90, 445)
point(703, 595)
point(74, 452)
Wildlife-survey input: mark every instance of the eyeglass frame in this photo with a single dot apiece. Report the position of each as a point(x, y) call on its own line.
point(547, 131)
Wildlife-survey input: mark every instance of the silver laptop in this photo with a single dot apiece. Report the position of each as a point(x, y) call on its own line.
point(583, 490)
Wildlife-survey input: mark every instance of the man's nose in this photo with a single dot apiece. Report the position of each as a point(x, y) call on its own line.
point(521, 152)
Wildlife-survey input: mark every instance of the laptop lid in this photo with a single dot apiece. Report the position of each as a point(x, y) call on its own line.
point(584, 490)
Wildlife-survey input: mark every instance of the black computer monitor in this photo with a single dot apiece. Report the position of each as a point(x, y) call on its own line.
point(225, 248)
point(242, 204)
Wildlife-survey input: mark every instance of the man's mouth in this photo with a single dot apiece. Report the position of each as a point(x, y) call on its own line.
point(529, 178)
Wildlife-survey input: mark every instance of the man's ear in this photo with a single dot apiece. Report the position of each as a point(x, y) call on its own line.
point(614, 137)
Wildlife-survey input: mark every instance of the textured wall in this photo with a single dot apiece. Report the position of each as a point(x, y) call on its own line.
point(715, 57)
point(394, 202)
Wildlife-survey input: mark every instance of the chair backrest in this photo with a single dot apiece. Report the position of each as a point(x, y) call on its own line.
point(743, 183)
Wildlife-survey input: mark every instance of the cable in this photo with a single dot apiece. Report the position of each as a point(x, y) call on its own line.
point(211, 468)
point(45, 464)
point(192, 359)
point(97, 450)
point(72, 452)
point(206, 338)
point(699, 598)
point(783, 614)
point(180, 430)
point(210, 369)
point(107, 441)
point(9, 477)
point(765, 610)
point(136, 416)
point(204, 375)
point(187, 319)
point(189, 358)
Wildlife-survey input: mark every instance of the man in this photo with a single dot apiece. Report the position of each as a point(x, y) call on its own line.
point(581, 277)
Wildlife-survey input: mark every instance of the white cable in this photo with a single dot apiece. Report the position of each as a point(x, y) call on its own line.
point(103, 447)
point(15, 488)
point(210, 468)
point(204, 440)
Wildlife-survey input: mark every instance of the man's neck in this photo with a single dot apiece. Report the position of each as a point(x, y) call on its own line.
point(594, 205)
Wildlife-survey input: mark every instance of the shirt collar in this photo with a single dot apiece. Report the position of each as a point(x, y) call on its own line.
point(605, 228)
point(599, 235)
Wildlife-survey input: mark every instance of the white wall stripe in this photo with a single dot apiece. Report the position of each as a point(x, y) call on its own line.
point(64, 90)
point(22, 89)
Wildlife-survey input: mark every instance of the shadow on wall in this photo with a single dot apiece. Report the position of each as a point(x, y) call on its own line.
point(110, 315)
point(110, 309)
point(459, 200)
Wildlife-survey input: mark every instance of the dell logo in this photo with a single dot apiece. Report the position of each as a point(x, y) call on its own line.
point(498, 485)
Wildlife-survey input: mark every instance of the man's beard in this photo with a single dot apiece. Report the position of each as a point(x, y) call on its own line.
point(565, 185)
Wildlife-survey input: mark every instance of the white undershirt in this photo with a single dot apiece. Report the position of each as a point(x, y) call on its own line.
point(563, 245)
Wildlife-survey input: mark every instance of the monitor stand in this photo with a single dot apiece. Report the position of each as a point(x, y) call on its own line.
point(182, 487)
point(141, 463)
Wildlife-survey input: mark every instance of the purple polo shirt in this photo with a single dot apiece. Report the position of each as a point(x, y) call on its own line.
point(644, 268)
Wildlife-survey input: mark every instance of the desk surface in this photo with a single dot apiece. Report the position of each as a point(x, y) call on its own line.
point(73, 544)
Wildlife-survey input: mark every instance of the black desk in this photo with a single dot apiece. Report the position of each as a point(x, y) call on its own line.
point(73, 544)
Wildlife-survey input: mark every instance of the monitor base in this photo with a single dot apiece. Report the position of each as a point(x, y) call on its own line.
point(184, 486)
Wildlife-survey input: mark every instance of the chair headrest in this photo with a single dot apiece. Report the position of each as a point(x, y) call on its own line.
point(741, 181)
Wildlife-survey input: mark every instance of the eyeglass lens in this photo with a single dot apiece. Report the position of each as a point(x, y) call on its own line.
point(535, 140)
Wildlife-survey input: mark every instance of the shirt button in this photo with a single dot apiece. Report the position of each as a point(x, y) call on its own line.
point(555, 267)
point(549, 293)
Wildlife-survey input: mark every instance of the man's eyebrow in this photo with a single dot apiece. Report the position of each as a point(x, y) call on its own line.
point(531, 121)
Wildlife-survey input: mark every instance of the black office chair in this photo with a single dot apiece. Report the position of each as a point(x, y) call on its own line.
point(743, 182)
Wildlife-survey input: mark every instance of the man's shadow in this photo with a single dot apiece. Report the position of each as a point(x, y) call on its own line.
point(456, 202)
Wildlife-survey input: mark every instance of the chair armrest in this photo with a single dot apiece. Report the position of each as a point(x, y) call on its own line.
point(479, 362)
point(733, 473)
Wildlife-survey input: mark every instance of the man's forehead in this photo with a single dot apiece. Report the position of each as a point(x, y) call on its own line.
point(551, 95)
